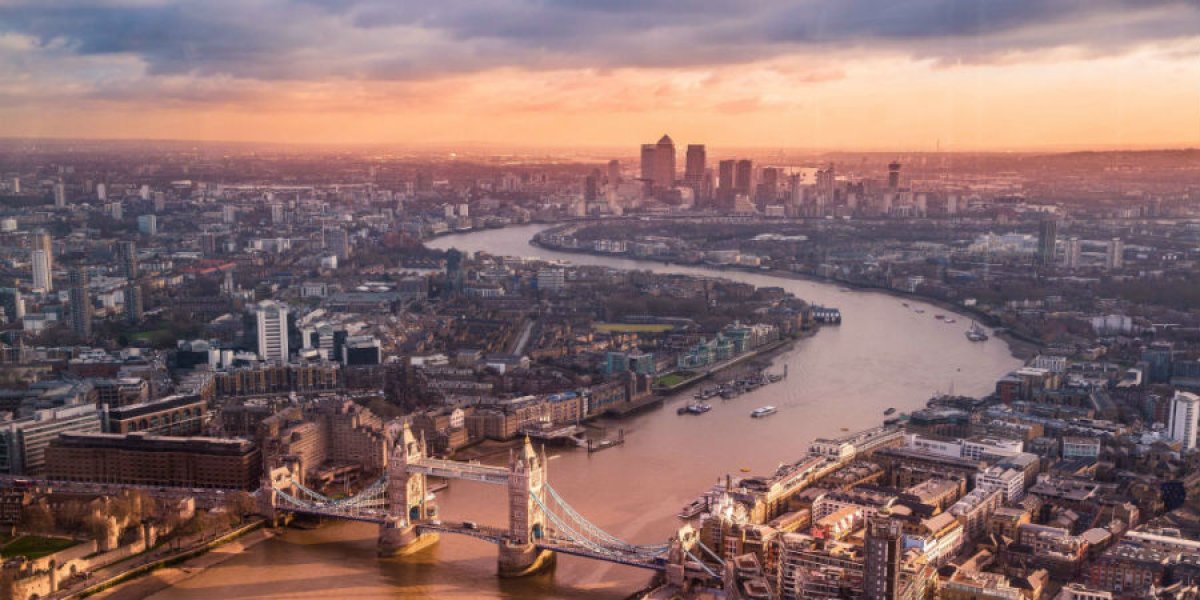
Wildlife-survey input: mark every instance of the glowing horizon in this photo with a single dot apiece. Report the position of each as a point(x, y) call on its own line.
point(853, 75)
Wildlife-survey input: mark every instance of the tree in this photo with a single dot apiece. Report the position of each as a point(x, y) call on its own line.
point(38, 518)
point(240, 505)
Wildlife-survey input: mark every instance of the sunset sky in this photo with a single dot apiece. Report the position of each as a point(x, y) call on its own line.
point(827, 74)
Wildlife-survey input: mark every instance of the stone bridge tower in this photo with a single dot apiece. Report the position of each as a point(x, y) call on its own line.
point(406, 493)
point(527, 521)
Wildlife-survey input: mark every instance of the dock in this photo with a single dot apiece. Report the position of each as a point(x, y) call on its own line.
point(594, 446)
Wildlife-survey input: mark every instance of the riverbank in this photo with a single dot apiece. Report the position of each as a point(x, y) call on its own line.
point(1019, 347)
point(145, 580)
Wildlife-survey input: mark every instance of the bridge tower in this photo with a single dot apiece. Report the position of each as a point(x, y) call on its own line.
point(407, 504)
point(519, 554)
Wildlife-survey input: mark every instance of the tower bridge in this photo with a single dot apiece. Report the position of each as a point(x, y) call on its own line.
point(540, 522)
point(540, 525)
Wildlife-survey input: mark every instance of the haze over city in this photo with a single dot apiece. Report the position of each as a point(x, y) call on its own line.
point(861, 74)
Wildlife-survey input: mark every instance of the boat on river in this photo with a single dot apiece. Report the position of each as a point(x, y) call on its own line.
point(764, 411)
point(695, 408)
point(694, 509)
point(976, 333)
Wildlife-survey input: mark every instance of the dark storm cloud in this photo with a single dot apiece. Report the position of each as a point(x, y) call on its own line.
point(378, 39)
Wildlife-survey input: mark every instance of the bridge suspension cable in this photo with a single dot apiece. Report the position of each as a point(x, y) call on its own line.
point(574, 528)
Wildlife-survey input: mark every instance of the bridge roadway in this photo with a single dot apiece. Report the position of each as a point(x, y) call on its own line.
point(453, 469)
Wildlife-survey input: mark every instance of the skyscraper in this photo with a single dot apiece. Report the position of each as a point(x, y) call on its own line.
point(1073, 253)
point(647, 166)
point(894, 175)
point(60, 195)
point(743, 177)
point(129, 259)
point(1185, 418)
point(664, 162)
point(591, 186)
point(694, 166)
point(13, 303)
point(42, 279)
point(81, 304)
point(272, 331)
point(883, 548)
point(338, 242)
point(725, 171)
point(1115, 259)
point(134, 309)
point(1047, 239)
point(42, 241)
point(769, 187)
point(614, 172)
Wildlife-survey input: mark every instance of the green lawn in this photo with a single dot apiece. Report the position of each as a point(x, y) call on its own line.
point(633, 327)
point(671, 379)
point(148, 334)
point(33, 547)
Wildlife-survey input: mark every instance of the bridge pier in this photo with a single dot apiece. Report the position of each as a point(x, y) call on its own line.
point(398, 537)
point(519, 560)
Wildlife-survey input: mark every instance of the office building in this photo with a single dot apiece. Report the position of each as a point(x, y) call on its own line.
point(1071, 258)
point(101, 192)
point(134, 308)
point(361, 350)
point(272, 331)
point(337, 240)
point(60, 195)
point(647, 163)
point(42, 241)
point(551, 279)
point(81, 304)
point(614, 172)
point(23, 442)
point(13, 304)
point(148, 224)
point(42, 280)
point(129, 259)
point(664, 162)
point(180, 414)
point(1185, 416)
point(694, 166)
point(1047, 238)
point(743, 177)
point(151, 460)
point(1115, 258)
point(883, 547)
point(894, 176)
point(591, 186)
point(725, 175)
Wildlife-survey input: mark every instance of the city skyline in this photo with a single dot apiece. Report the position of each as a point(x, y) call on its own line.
point(934, 74)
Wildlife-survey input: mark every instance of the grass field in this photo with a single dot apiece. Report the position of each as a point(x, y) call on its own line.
point(671, 379)
point(32, 546)
point(634, 327)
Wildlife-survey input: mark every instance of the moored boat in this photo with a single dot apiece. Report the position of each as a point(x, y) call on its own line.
point(976, 333)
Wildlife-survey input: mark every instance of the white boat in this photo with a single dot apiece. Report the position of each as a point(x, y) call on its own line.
point(976, 333)
point(764, 411)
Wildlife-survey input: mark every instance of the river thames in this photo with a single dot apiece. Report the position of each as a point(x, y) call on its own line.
point(883, 355)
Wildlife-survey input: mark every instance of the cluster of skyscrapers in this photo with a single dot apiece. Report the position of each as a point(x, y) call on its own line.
point(732, 179)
